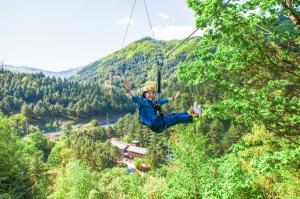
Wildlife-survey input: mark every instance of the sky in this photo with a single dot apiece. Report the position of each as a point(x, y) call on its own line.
point(57, 35)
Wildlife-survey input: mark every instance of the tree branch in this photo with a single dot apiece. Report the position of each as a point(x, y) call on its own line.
point(293, 15)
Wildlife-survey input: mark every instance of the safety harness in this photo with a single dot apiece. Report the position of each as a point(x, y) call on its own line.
point(158, 125)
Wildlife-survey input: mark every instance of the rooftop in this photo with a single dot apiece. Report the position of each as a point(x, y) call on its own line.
point(119, 144)
point(135, 149)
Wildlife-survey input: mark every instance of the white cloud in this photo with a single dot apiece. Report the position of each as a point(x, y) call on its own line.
point(125, 21)
point(164, 16)
point(174, 32)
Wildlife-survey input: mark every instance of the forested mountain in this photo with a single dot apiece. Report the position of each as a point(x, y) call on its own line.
point(137, 62)
point(41, 97)
point(30, 70)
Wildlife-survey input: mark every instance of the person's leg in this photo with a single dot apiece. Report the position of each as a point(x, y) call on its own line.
point(158, 125)
point(177, 118)
point(181, 113)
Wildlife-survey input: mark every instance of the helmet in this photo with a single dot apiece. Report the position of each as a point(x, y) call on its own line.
point(149, 86)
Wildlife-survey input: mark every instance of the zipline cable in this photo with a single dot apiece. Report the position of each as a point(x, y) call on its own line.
point(128, 24)
point(209, 18)
point(149, 19)
point(159, 62)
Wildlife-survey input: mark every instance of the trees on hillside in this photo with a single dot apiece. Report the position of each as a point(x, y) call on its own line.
point(37, 96)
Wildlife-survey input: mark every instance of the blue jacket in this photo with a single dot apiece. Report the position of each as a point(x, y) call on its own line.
point(146, 110)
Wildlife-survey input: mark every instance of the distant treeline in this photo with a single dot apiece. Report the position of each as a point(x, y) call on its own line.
point(37, 96)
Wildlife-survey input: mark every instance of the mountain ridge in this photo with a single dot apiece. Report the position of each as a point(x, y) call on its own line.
point(137, 62)
point(25, 69)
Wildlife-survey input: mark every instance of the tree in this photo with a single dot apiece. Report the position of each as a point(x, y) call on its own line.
point(251, 59)
point(5, 105)
point(19, 122)
point(76, 180)
point(26, 111)
point(20, 164)
point(38, 140)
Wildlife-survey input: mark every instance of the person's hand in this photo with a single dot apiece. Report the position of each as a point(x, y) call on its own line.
point(174, 97)
point(177, 95)
point(126, 85)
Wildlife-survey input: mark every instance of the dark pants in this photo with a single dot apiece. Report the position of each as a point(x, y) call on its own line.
point(165, 121)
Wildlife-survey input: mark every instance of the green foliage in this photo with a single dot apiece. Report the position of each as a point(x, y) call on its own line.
point(39, 141)
point(140, 162)
point(117, 183)
point(179, 184)
point(225, 178)
point(21, 164)
point(260, 167)
point(40, 189)
point(76, 180)
point(20, 123)
point(153, 186)
point(272, 161)
point(91, 144)
point(14, 170)
point(55, 157)
point(250, 58)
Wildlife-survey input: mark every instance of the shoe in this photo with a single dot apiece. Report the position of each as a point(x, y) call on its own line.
point(195, 115)
point(195, 105)
point(191, 111)
point(194, 110)
point(199, 110)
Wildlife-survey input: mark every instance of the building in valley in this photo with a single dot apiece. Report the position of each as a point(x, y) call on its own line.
point(131, 150)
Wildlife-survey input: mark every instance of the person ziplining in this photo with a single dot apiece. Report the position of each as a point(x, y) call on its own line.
point(150, 111)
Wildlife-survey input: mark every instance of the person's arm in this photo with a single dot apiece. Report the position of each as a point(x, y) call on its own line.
point(163, 100)
point(168, 99)
point(127, 86)
point(135, 98)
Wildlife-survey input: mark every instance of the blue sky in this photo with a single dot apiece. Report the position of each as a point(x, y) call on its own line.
point(57, 35)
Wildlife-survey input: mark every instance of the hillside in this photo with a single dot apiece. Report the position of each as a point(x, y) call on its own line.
point(31, 70)
point(42, 98)
point(137, 62)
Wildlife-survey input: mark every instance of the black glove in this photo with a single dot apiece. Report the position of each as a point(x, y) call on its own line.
point(157, 107)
